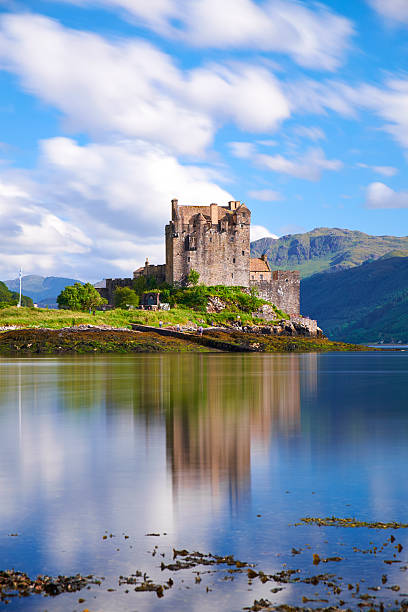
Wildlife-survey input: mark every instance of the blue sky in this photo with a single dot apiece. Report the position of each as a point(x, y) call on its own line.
point(110, 108)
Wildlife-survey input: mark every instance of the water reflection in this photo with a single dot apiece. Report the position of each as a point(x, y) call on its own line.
point(214, 409)
point(194, 445)
point(236, 404)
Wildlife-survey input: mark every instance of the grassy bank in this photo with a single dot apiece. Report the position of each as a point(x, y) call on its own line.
point(55, 319)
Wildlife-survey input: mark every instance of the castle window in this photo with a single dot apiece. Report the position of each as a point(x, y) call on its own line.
point(190, 243)
point(232, 275)
point(286, 280)
point(233, 260)
point(253, 277)
point(188, 258)
point(210, 239)
point(232, 238)
point(242, 225)
point(261, 276)
point(243, 252)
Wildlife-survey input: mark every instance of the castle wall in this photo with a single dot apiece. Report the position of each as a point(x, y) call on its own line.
point(111, 284)
point(283, 290)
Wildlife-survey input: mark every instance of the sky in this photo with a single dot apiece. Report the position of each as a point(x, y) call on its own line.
point(111, 108)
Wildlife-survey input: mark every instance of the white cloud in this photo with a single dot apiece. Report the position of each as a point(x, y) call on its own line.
point(384, 170)
point(310, 96)
point(129, 88)
point(99, 86)
point(242, 150)
point(312, 132)
point(268, 143)
point(249, 95)
point(118, 194)
point(265, 195)
point(389, 101)
point(259, 231)
point(379, 195)
point(394, 10)
point(32, 236)
point(308, 166)
point(315, 38)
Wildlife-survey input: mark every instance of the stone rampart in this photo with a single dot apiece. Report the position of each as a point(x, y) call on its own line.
point(108, 291)
point(283, 290)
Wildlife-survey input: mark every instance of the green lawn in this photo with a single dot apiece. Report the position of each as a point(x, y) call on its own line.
point(42, 317)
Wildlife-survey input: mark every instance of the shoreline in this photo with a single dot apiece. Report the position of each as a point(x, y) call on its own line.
point(87, 339)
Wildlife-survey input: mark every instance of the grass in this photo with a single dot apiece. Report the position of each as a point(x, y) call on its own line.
point(55, 319)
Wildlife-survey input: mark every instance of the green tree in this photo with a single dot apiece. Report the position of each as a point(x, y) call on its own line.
point(80, 297)
point(193, 277)
point(125, 296)
point(10, 298)
point(140, 285)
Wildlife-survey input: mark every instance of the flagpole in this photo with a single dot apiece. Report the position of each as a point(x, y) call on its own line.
point(20, 277)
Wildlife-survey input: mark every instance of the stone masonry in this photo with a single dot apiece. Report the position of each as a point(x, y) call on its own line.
point(283, 290)
point(213, 240)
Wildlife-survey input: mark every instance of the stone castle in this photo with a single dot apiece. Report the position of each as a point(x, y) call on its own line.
point(215, 241)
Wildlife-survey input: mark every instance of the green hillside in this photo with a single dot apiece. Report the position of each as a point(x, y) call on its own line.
point(368, 303)
point(10, 298)
point(326, 250)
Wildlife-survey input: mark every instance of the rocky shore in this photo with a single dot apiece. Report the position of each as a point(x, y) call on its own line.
point(290, 336)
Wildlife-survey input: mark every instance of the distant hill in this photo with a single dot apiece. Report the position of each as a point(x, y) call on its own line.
point(367, 303)
point(43, 290)
point(326, 250)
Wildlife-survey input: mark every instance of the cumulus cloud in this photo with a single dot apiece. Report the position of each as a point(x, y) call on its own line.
point(118, 194)
point(32, 236)
point(130, 88)
point(379, 195)
point(316, 38)
point(308, 166)
point(394, 10)
point(259, 231)
point(265, 195)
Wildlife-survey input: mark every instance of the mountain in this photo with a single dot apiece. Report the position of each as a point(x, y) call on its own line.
point(325, 250)
point(43, 290)
point(367, 303)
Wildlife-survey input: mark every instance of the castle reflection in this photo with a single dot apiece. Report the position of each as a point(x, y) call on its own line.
point(229, 406)
point(214, 410)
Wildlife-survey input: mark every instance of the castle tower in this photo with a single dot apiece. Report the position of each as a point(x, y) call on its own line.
point(213, 240)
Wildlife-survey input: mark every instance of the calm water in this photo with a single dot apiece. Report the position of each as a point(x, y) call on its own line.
point(196, 446)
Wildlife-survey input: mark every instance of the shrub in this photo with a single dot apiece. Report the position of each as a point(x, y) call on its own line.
point(193, 277)
point(80, 297)
point(125, 297)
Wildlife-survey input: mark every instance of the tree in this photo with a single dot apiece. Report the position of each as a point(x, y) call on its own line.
point(193, 277)
point(80, 297)
point(125, 296)
point(10, 298)
point(140, 285)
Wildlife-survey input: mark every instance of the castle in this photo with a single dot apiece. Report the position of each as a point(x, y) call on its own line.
point(215, 241)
